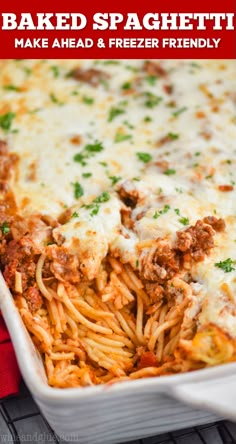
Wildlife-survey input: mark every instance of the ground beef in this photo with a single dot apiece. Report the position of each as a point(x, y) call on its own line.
point(7, 161)
point(217, 224)
point(154, 291)
point(21, 256)
point(92, 76)
point(128, 195)
point(196, 240)
point(160, 263)
point(64, 266)
point(33, 298)
point(154, 69)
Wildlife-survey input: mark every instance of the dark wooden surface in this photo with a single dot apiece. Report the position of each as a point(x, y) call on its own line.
point(21, 422)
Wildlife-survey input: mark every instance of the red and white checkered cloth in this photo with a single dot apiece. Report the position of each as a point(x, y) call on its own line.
point(9, 371)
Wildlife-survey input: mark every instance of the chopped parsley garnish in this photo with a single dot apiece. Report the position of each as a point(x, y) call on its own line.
point(55, 70)
point(95, 147)
point(104, 164)
point(137, 263)
point(95, 210)
point(11, 88)
point(80, 158)
point(27, 70)
point(152, 100)
point(184, 220)
point(54, 99)
point(163, 211)
point(5, 228)
point(89, 150)
point(147, 119)
point(169, 172)
point(94, 206)
point(127, 85)
point(88, 100)
point(111, 62)
point(75, 214)
point(78, 190)
point(119, 137)
point(114, 179)
point(128, 124)
point(104, 197)
point(6, 120)
point(179, 111)
point(86, 175)
point(151, 80)
point(173, 136)
point(226, 265)
point(197, 153)
point(177, 211)
point(114, 112)
point(144, 157)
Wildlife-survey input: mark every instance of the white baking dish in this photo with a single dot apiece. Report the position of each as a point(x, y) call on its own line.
point(125, 411)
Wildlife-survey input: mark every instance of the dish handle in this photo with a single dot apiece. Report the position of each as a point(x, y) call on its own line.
point(217, 395)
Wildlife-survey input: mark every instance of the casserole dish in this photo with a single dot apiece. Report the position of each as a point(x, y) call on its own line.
point(117, 239)
point(134, 409)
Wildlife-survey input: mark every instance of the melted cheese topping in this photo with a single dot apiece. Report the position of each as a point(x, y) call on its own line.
point(170, 138)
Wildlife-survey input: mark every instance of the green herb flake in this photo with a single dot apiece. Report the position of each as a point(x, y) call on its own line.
point(114, 179)
point(161, 212)
point(6, 120)
point(55, 70)
point(86, 175)
point(95, 147)
point(226, 265)
point(126, 85)
point(184, 220)
point(151, 80)
point(114, 112)
point(54, 99)
point(179, 111)
point(5, 228)
point(75, 214)
point(78, 190)
point(87, 100)
point(27, 70)
point(197, 153)
point(104, 197)
point(169, 172)
point(147, 119)
point(128, 124)
point(144, 157)
point(104, 164)
point(11, 88)
point(137, 263)
point(111, 62)
point(173, 136)
point(176, 210)
point(80, 158)
point(152, 100)
point(119, 137)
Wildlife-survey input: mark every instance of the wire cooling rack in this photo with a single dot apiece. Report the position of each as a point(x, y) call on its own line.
point(21, 422)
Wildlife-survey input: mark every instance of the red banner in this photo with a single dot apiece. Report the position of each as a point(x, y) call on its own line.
point(104, 29)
